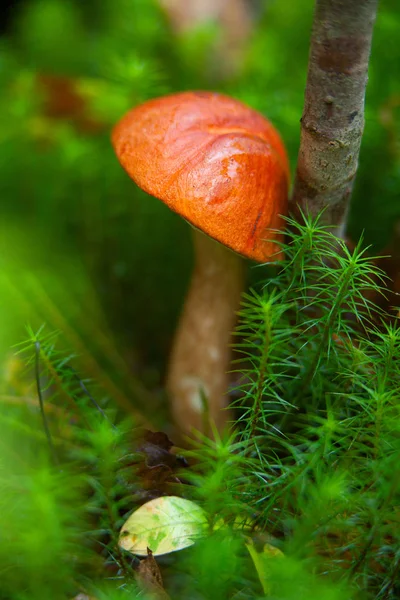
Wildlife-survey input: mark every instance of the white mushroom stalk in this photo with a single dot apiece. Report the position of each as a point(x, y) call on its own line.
point(198, 375)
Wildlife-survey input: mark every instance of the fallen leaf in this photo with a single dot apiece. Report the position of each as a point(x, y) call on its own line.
point(148, 577)
point(163, 525)
point(156, 466)
point(262, 561)
point(156, 447)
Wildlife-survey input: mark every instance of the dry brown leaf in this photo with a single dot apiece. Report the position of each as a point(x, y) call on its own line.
point(148, 578)
point(158, 468)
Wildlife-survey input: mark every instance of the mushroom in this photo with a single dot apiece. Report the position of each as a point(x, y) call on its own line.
point(222, 167)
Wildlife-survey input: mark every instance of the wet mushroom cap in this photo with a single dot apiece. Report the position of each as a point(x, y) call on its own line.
point(219, 164)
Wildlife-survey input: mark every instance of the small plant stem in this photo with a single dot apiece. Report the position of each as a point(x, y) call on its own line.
point(41, 403)
point(261, 378)
point(90, 396)
point(327, 332)
point(394, 578)
point(374, 529)
point(121, 558)
point(389, 361)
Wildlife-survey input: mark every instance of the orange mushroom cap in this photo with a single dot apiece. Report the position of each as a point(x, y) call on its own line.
point(219, 164)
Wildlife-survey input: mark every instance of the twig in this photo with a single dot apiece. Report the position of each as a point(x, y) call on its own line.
point(333, 118)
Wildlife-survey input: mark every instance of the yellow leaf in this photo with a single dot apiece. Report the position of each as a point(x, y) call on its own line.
point(262, 561)
point(163, 525)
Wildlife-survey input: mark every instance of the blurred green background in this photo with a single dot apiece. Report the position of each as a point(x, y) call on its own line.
point(82, 249)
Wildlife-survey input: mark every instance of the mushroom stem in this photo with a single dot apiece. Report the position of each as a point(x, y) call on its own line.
point(198, 377)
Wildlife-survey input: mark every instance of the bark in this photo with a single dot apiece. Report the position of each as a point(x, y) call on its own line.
point(201, 353)
point(333, 118)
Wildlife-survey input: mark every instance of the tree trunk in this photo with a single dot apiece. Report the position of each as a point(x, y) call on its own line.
point(333, 118)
